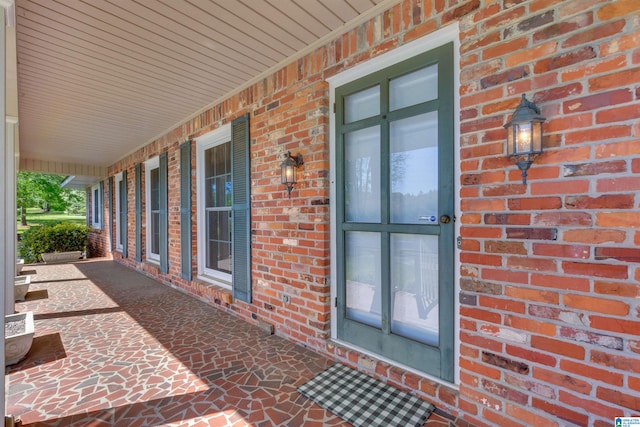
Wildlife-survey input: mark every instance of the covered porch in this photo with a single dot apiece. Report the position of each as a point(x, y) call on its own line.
point(116, 348)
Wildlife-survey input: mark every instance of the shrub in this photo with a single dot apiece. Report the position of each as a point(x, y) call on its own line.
point(62, 237)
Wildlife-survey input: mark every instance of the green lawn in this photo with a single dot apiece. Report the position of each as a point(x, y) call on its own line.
point(35, 216)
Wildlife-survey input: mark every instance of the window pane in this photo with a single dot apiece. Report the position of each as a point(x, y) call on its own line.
point(361, 105)
point(122, 192)
point(362, 175)
point(155, 232)
point(413, 88)
point(218, 176)
point(155, 189)
point(219, 240)
point(414, 169)
point(414, 284)
point(364, 299)
point(96, 206)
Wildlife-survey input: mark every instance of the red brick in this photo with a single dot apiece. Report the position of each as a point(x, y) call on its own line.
point(511, 219)
point(607, 201)
point(532, 233)
point(622, 289)
point(627, 77)
point(558, 347)
point(617, 149)
point(526, 55)
point(591, 372)
point(590, 35)
point(527, 294)
point(619, 114)
point(597, 134)
point(563, 219)
point(528, 417)
point(618, 219)
point(502, 304)
point(535, 203)
point(498, 419)
point(619, 398)
point(479, 368)
point(505, 275)
point(595, 270)
point(621, 254)
point(617, 9)
point(532, 264)
point(504, 247)
point(574, 417)
point(531, 355)
point(596, 305)
point(564, 60)
point(562, 27)
point(615, 325)
point(588, 404)
point(594, 67)
point(594, 236)
point(480, 342)
point(475, 313)
point(616, 361)
point(530, 325)
point(561, 251)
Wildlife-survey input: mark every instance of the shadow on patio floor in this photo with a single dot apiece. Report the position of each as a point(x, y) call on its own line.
point(115, 348)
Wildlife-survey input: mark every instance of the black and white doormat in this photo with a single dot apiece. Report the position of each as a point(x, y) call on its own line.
point(364, 401)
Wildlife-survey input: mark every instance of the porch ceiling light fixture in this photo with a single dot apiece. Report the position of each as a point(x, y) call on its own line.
point(288, 170)
point(524, 135)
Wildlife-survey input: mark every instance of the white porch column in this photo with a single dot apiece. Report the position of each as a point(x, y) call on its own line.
point(9, 189)
point(7, 180)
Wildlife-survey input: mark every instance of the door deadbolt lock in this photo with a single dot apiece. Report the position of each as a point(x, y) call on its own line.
point(445, 219)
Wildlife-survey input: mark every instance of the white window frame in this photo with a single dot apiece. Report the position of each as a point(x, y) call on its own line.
point(149, 165)
point(450, 33)
point(203, 143)
point(118, 180)
point(96, 221)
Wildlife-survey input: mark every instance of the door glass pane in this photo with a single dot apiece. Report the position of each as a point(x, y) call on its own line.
point(361, 105)
point(362, 175)
point(414, 169)
point(413, 88)
point(364, 286)
point(414, 284)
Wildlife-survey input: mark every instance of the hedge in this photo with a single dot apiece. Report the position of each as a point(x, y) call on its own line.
point(61, 237)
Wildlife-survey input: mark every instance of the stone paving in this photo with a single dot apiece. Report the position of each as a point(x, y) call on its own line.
point(115, 348)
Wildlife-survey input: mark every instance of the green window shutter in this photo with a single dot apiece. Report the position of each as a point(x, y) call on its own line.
point(185, 210)
point(124, 219)
point(100, 213)
point(110, 205)
point(138, 196)
point(164, 219)
point(241, 209)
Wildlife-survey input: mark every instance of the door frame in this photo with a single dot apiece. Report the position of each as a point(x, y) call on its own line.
point(407, 51)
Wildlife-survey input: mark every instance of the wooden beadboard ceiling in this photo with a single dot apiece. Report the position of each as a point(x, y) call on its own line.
point(97, 79)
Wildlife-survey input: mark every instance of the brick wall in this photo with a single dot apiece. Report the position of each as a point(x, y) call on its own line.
point(549, 271)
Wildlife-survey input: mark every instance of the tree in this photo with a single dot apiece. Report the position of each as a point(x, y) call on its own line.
point(44, 191)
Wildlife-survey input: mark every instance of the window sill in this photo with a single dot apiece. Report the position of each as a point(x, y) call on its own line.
point(213, 291)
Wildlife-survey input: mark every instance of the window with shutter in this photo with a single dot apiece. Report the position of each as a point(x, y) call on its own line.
point(222, 158)
point(185, 210)
point(138, 198)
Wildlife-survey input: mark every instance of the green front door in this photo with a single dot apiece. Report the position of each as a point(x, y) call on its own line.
point(395, 214)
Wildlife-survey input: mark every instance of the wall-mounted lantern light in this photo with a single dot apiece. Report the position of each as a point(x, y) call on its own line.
point(524, 135)
point(288, 170)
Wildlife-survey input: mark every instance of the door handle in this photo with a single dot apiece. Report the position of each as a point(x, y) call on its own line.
point(445, 219)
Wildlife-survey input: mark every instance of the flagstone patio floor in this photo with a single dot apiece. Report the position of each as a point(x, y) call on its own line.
point(116, 348)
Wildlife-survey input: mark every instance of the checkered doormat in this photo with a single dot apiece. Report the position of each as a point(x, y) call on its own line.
point(364, 401)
